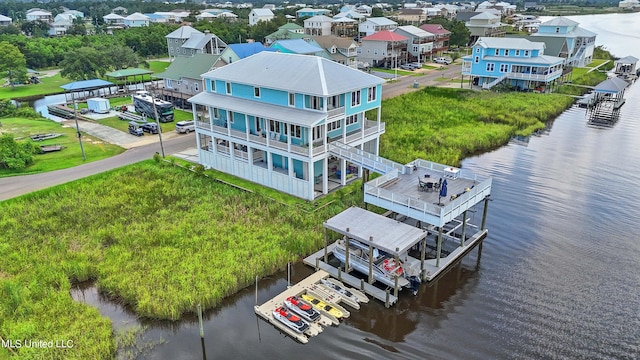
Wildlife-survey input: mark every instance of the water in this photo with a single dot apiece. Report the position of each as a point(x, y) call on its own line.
point(557, 277)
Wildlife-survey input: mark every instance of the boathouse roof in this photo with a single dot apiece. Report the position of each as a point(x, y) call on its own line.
point(379, 231)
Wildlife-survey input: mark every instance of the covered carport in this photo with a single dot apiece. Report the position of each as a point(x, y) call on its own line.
point(130, 77)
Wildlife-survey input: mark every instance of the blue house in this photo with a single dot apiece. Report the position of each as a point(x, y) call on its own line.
point(580, 43)
point(514, 61)
point(308, 12)
point(298, 46)
point(235, 52)
point(276, 119)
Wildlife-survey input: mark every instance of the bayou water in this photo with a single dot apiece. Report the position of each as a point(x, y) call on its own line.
point(557, 277)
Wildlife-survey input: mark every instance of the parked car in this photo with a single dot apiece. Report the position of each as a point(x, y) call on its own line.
point(151, 128)
point(184, 127)
point(407, 67)
point(135, 128)
point(416, 65)
point(442, 60)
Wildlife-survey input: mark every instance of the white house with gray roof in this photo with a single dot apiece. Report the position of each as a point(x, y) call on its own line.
point(176, 38)
point(257, 15)
point(375, 24)
point(275, 118)
point(5, 20)
point(136, 20)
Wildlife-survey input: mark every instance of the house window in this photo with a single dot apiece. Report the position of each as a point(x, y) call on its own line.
point(557, 30)
point(415, 49)
point(506, 52)
point(230, 116)
point(476, 59)
point(296, 131)
point(352, 119)
point(477, 49)
point(213, 86)
point(517, 52)
point(171, 50)
point(274, 126)
point(490, 67)
point(257, 124)
point(355, 98)
point(292, 99)
point(256, 92)
point(497, 52)
point(314, 102)
point(371, 94)
point(526, 53)
point(170, 83)
point(504, 68)
point(375, 52)
point(228, 88)
point(216, 113)
point(334, 125)
point(196, 86)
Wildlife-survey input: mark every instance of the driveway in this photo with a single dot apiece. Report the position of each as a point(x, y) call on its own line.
point(117, 137)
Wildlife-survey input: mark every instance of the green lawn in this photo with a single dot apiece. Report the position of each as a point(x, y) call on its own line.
point(158, 66)
point(48, 85)
point(69, 156)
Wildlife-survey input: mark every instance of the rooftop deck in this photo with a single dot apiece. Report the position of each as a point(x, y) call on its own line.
point(401, 193)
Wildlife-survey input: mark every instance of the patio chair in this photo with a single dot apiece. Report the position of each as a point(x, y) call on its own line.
point(429, 186)
point(422, 186)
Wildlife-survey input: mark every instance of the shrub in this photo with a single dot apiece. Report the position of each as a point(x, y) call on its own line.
point(14, 155)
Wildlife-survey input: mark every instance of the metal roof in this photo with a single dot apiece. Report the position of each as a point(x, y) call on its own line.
point(414, 31)
point(296, 46)
point(86, 85)
point(612, 85)
point(560, 21)
point(198, 41)
point(183, 32)
point(537, 60)
point(189, 67)
point(434, 29)
point(381, 21)
point(372, 229)
point(305, 118)
point(128, 72)
point(301, 74)
point(248, 49)
point(627, 60)
point(385, 35)
point(509, 43)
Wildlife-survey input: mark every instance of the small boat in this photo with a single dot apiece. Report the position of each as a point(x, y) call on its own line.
point(293, 322)
point(384, 266)
point(302, 308)
point(321, 305)
point(340, 290)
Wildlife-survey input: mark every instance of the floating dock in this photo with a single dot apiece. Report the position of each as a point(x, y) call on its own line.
point(308, 285)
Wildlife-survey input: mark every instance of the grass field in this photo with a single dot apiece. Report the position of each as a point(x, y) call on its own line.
point(447, 125)
point(48, 85)
point(159, 238)
point(70, 155)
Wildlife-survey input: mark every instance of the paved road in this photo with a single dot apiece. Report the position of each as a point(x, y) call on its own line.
point(432, 77)
point(18, 185)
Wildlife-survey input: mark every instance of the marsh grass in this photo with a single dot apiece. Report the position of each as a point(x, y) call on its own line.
point(155, 236)
point(446, 125)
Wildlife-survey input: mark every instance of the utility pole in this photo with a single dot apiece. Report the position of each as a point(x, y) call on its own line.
point(155, 112)
point(75, 117)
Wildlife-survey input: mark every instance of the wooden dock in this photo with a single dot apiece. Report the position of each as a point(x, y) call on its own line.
point(265, 310)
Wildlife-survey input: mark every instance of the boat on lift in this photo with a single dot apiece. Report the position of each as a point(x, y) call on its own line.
point(302, 308)
point(290, 320)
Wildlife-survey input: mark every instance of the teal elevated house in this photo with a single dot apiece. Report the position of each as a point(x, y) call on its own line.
point(517, 62)
point(277, 119)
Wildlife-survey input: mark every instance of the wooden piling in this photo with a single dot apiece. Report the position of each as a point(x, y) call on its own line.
point(200, 321)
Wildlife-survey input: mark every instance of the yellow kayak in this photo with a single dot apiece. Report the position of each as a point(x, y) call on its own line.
point(321, 305)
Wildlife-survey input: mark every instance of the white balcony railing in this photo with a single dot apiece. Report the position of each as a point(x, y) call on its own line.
point(203, 125)
point(335, 112)
point(535, 77)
